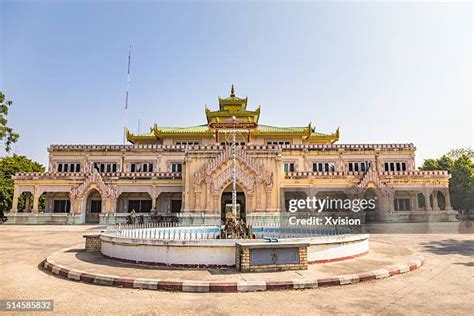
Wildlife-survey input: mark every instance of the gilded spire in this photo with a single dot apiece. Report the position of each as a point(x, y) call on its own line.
point(232, 93)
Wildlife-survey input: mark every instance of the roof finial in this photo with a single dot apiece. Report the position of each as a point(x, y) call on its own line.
point(232, 93)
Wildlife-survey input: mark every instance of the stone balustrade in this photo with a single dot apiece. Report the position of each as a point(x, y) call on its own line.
point(417, 173)
point(183, 148)
point(412, 173)
point(313, 174)
point(81, 175)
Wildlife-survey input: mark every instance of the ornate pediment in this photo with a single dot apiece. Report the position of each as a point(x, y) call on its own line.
point(211, 168)
point(225, 177)
point(94, 179)
point(371, 178)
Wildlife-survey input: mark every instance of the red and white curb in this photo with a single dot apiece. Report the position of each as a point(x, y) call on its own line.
point(222, 286)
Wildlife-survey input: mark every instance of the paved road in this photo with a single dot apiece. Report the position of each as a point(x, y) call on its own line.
point(445, 286)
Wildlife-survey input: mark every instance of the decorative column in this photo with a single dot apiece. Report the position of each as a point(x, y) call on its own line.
point(268, 195)
point(427, 200)
point(36, 198)
point(208, 194)
point(447, 199)
point(216, 203)
point(282, 206)
point(258, 197)
point(49, 202)
point(16, 195)
point(81, 205)
point(113, 204)
point(249, 202)
point(188, 184)
point(279, 173)
point(435, 201)
point(197, 197)
point(415, 201)
point(391, 200)
point(153, 201)
point(386, 200)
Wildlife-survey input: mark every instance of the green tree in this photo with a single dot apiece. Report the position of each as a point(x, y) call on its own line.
point(8, 167)
point(462, 183)
point(443, 163)
point(458, 152)
point(461, 167)
point(7, 135)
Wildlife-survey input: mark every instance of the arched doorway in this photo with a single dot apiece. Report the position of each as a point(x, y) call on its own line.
point(25, 202)
point(226, 202)
point(441, 200)
point(93, 206)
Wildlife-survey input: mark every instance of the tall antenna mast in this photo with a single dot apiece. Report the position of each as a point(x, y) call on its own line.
point(126, 96)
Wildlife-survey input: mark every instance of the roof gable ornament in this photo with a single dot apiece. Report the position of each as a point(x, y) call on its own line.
point(372, 177)
point(94, 179)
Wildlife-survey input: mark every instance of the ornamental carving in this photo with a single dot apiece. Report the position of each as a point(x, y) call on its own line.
point(223, 179)
point(222, 158)
point(105, 190)
point(371, 176)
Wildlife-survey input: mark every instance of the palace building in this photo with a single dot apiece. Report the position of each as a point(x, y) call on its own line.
point(187, 172)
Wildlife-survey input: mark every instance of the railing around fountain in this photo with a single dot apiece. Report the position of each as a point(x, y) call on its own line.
point(164, 231)
point(177, 231)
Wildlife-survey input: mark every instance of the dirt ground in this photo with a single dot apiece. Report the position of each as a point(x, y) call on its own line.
point(445, 285)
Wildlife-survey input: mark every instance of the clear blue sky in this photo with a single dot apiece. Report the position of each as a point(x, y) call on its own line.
point(384, 72)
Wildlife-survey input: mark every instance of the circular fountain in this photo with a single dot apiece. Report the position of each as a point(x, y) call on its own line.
point(202, 246)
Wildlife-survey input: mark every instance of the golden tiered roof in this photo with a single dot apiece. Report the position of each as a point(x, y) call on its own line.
point(233, 108)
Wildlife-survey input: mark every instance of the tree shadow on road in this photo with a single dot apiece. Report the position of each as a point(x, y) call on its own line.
point(467, 264)
point(450, 247)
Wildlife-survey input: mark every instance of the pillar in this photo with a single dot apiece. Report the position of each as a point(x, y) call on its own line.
point(249, 206)
point(282, 206)
point(258, 197)
point(197, 196)
point(208, 194)
point(415, 201)
point(447, 198)
point(77, 205)
point(103, 204)
point(16, 195)
point(268, 195)
point(216, 203)
point(153, 201)
point(36, 197)
point(427, 200)
point(49, 207)
point(435, 201)
point(113, 205)
point(386, 201)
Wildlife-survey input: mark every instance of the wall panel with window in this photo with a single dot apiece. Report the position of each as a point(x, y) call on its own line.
point(104, 166)
point(68, 167)
point(176, 167)
point(289, 166)
point(139, 206)
point(141, 167)
point(390, 166)
point(326, 166)
point(358, 166)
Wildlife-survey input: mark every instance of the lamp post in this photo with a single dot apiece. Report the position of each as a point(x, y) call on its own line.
point(234, 176)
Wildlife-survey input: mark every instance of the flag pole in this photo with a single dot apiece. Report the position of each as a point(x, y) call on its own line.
point(126, 96)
